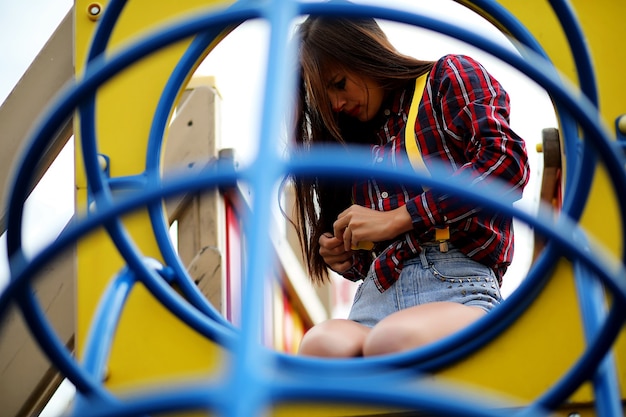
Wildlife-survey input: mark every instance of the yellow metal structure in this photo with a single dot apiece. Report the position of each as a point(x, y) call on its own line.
point(147, 332)
point(521, 363)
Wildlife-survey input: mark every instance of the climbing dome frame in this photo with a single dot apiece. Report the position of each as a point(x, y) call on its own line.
point(148, 342)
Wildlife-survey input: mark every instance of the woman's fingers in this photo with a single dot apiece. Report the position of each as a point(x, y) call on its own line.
point(344, 231)
point(333, 252)
point(347, 238)
point(330, 243)
point(359, 226)
point(339, 227)
point(341, 267)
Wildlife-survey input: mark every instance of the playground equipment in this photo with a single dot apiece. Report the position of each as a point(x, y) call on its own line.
point(148, 341)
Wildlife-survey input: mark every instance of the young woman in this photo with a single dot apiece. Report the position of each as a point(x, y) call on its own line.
point(437, 262)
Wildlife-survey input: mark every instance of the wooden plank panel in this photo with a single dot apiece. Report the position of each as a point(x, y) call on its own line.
point(48, 73)
point(26, 375)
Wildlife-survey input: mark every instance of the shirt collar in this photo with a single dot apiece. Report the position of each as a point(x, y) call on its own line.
point(396, 102)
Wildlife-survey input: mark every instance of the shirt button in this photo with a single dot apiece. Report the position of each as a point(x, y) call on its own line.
point(387, 112)
point(384, 194)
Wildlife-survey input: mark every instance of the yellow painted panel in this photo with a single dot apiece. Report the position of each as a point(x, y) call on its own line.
point(535, 351)
point(602, 25)
point(151, 345)
point(539, 19)
point(330, 410)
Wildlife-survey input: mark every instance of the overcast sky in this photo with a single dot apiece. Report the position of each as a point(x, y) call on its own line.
point(25, 27)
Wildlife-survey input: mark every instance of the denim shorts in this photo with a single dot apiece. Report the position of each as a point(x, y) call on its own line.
point(429, 277)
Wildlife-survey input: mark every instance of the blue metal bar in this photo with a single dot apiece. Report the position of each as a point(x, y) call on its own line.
point(127, 183)
point(207, 397)
point(23, 272)
point(54, 349)
point(127, 57)
point(105, 27)
point(581, 178)
point(565, 234)
point(104, 324)
point(533, 72)
point(101, 334)
point(153, 163)
point(98, 46)
point(347, 167)
point(593, 311)
point(266, 170)
point(95, 177)
point(323, 162)
point(511, 24)
point(68, 100)
point(585, 367)
point(579, 48)
point(98, 72)
point(578, 161)
point(591, 295)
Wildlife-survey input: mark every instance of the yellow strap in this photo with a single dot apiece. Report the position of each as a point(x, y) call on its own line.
point(414, 154)
point(412, 150)
point(442, 234)
point(367, 245)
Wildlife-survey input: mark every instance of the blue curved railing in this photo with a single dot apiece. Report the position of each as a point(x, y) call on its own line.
point(270, 377)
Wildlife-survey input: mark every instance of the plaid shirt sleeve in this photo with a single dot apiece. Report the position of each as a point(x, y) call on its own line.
point(361, 263)
point(464, 122)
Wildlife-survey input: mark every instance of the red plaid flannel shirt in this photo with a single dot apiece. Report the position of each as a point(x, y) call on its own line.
point(463, 123)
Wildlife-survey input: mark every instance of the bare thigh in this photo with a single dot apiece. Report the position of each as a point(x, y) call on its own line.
point(337, 338)
point(418, 326)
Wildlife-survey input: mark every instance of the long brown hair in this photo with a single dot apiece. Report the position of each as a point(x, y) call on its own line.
point(358, 46)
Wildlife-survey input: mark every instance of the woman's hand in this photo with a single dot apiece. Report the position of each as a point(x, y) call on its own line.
point(360, 224)
point(334, 254)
